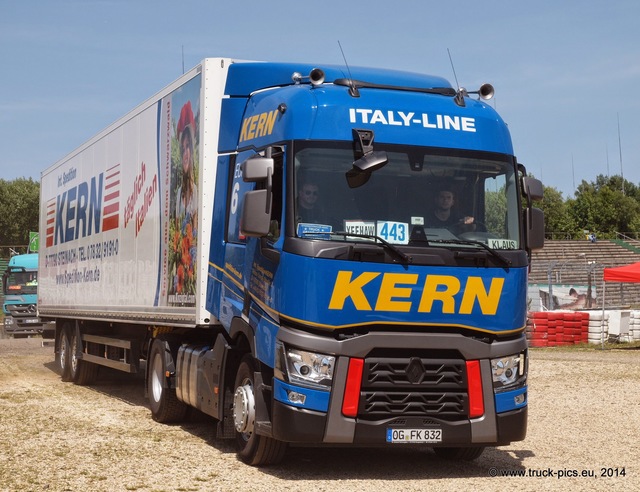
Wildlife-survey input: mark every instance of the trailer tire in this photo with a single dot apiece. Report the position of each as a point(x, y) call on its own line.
point(163, 401)
point(63, 354)
point(81, 372)
point(459, 454)
point(253, 449)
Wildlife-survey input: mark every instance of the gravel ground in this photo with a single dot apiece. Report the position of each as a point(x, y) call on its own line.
point(583, 419)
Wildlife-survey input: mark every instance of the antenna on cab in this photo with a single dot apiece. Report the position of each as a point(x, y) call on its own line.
point(485, 92)
point(353, 90)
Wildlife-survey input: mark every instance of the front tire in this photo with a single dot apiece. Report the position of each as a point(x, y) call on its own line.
point(253, 449)
point(163, 401)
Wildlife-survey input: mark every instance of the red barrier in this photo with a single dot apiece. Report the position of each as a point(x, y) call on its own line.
point(557, 328)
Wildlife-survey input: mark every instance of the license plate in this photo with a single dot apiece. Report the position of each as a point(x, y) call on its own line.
point(414, 435)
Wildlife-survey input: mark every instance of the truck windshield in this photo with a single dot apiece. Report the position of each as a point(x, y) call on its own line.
point(20, 282)
point(420, 196)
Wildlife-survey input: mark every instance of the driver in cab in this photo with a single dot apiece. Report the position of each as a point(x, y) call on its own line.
point(445, 215)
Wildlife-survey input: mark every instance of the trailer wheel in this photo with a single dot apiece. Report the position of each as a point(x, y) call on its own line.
point(81, 372)
point(463, 454)
point(62, 354)
point(164, 404)
point(253, 449)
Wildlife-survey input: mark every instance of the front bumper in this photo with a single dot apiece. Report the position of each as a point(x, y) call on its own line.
point(26, 326)
point(434, 404)
point(297, 425)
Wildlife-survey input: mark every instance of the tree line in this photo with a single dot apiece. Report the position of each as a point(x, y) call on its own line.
point(19, 210)
point(607, 206)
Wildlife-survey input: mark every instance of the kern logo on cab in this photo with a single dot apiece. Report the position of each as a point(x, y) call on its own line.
point(401, 118)
point(258, 125)
point(409, 292)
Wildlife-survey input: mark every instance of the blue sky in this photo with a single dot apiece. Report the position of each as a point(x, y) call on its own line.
point(564, 72)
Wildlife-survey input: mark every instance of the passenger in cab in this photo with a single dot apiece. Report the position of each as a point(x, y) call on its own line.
point(308, 209)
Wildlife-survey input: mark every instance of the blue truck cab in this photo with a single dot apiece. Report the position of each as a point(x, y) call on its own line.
point(372, 322)
point(20, 288)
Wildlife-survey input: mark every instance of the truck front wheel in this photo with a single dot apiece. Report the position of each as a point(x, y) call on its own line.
point(165, 406)
point(253, 449)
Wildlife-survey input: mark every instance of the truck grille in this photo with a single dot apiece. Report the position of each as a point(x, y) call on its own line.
point(21, 310)
point(414, 386)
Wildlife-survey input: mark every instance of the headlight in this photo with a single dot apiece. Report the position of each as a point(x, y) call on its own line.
point(304, 368)
point(509, 371)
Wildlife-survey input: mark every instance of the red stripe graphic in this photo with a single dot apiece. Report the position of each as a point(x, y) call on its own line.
point(51, 211)
point(111, 210)
point(109, 223)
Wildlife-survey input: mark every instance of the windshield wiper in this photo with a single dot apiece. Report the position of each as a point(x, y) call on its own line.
point(404, 258)
point(506, 261)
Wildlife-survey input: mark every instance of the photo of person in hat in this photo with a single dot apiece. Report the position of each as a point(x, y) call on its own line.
point(187, 196)
point(184, 223)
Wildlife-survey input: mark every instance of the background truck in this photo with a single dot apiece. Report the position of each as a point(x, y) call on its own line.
point(258, 238)
point(20, 288)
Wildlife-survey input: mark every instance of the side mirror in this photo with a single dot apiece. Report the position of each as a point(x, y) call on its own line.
point(256, 209)
point(256, 217)
point(534, 228)
point(532, 188)
point(256, 169)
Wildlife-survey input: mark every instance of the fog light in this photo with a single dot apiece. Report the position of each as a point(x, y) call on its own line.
point(295, 397)
point(520, 399)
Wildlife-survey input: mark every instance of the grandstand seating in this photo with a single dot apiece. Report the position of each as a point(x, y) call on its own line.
point(570, 262)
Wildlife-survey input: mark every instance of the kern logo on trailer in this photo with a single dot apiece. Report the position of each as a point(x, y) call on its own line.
point(88, 208)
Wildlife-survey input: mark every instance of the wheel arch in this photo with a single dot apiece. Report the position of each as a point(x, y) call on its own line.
point(242, 337)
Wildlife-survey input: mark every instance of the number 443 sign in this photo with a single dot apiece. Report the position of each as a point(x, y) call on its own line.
point(392, 232)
